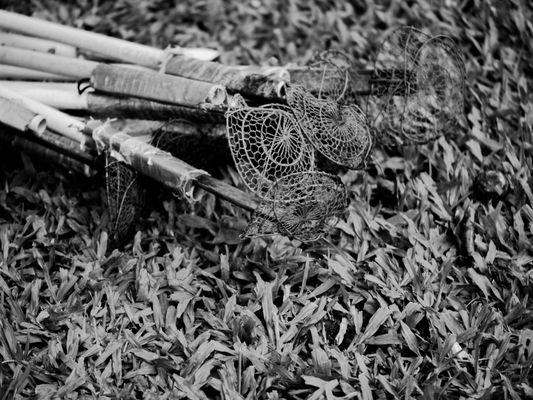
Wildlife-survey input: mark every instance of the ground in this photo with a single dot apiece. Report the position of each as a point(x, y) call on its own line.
point(424, 290)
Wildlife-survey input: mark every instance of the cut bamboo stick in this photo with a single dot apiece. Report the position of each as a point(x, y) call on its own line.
point(60, 95)
point(154, 86)
point(194, 63)
point(249, 81)
point(48, 154)
point(37, 44)
point(101, 105)
point(113, 79)
point(14, 114)
point(56, 120)
point(71, 67)
point(166, 169)
point(19, 73)
point(67, 147)
point(108, 46)
point(65, 96)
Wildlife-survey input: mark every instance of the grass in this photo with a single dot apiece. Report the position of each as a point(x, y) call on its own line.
point(423, 290)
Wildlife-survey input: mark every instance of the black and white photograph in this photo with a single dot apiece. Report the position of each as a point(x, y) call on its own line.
point(266, 199)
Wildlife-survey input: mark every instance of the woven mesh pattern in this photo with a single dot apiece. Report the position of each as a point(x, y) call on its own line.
point(340, 132)
point(125, 198)
point(267, 144)
point(332, 75)
point(303, 206)
point(417, 87)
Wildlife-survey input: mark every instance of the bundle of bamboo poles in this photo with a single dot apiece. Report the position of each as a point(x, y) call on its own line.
point(60, 86)
point(68, 105)
point(66, 90)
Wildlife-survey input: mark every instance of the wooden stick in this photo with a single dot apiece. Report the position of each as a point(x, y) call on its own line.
point(121, 80)
point(19, 117)
point(56, 120)
point(108, 46)
point(37, 44)
point(19, 73)
point(166, 169)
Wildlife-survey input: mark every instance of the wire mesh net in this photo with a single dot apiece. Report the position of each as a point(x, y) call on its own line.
point(267, 144)
point(125, 198)
point(417, 86)
point(329, 73)
point(338, 131)
point(302, 206)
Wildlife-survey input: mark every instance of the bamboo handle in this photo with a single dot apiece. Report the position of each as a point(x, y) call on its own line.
point(56, 120)
point(166, 169)
point(246, 80)
point(121, 80)
point(37, 44)
point(72, 67)
point(101, 44)
point(65, 96)
point(154, 86)
point(27, 74)
point(19, 117)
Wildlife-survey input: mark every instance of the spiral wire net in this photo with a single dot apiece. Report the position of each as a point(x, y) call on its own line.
point(338, 131)
point(417, 86)
point(267, 143)
point(302, 206)
point(331, 75)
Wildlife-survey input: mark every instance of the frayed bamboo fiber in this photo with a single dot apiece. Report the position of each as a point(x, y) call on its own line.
point(249, 81)
point(14, 114)
point(108, 46)
point(37, 44)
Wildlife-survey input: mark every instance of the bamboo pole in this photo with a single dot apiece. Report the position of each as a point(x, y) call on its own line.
point(66, 146)
point(71, 67)
point(65, 96)
point(108, 46)
point(113, 79)
point(249, 81)
point(19, 117)
point(154, 86)
point(37, 44)
point(48, 154)
point(56, 120)
point(19, 73)
point(166, 169)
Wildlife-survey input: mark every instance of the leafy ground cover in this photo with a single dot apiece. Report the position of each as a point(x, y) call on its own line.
point(423, 290)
